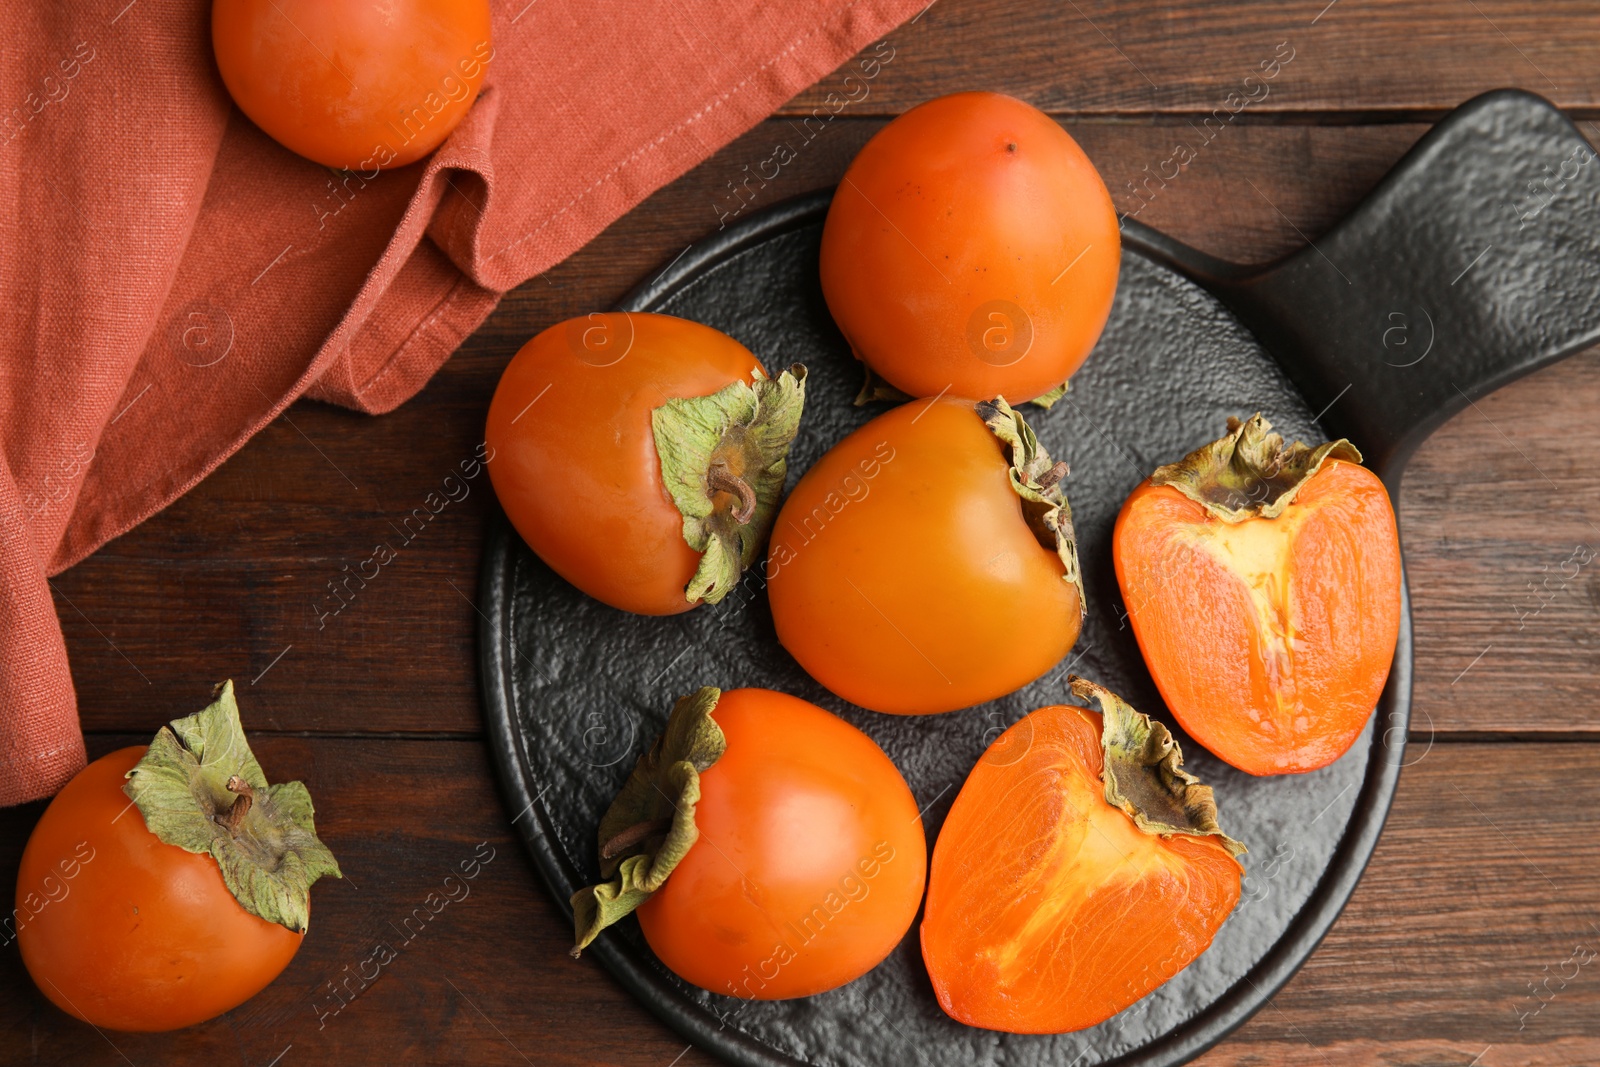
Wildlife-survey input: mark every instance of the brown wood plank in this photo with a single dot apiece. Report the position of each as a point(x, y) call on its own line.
point(1481, 888)
point(1430, 963)
point(1499, 517)
point(237, 572)
point(1394, 57)
point(401, 816)
point(1477, 894)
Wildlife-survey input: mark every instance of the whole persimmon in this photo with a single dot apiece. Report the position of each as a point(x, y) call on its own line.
point(356, 85)
point(1080, 867)
point(927, 562)
point(166, 885)
point(642, 456)
point(772, 849)
point(971, 247)
point(1263, 584)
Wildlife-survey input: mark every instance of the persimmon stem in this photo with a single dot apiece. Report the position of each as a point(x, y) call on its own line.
point(722, 480)
point(626, 839)
point(246, 796)
point(1053, 475)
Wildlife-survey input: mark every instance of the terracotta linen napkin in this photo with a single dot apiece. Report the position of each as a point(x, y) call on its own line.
point(171, 279)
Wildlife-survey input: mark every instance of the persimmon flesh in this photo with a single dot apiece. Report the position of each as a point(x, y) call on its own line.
point(1049, 910)
point(1270, 638)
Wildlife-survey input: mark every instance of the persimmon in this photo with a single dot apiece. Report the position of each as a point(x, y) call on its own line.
point(927, 562)
point(642, 456)
point(971, 247)
point(772, 849)
point(166, 885)
point(1262, 581)
point(1080, 867)
point(354, 86)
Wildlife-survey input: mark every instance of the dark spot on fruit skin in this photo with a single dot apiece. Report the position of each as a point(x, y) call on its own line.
point(1011, 146)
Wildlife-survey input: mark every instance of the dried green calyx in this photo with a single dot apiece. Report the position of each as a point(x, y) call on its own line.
point(1249, 472)
point(1144, 773)
point(649, 828)
point(724, 458)
point(1048, 400)
point(1037, 480)
point(875, 387)
point(200, 789)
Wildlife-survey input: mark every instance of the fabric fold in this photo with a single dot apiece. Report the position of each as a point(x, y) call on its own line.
point(174, 279)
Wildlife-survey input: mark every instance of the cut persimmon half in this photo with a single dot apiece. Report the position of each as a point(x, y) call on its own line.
point(1080, 867)
point(1262, 581)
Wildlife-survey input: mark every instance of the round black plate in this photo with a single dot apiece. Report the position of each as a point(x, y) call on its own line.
point(575, 690)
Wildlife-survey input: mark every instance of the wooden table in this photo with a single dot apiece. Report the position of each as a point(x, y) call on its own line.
point(1464, 943)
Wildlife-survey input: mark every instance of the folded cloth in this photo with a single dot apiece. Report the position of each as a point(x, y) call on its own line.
point(172, 279)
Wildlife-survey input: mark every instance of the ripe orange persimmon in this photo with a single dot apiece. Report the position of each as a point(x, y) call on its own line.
point(355, 86)
point(1079, 868)
point(165, 900)
point(1263, 585)
point(971, 247)
point(788, 861)
point(642, 456)
point(927, 561)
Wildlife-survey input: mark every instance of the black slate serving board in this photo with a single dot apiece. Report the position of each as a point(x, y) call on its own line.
point(1378, 331)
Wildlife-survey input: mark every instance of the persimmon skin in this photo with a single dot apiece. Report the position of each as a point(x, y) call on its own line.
point(971, 247)
point(903, 576)
point(354, 86)
point(1048, 910)
point(1281, 680)
point(144, 935)
point(811, 859)
point(573, 457)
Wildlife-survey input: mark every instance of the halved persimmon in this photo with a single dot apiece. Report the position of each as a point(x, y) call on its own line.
point(1263, 584)
point(1079, 868)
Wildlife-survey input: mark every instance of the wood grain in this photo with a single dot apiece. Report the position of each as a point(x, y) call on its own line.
point(1127, 57)
point(1431, 962)
point(486, 972)
point(238, 571)
point(1481, 887)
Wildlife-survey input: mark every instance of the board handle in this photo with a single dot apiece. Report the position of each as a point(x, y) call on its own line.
point(1475, 261)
